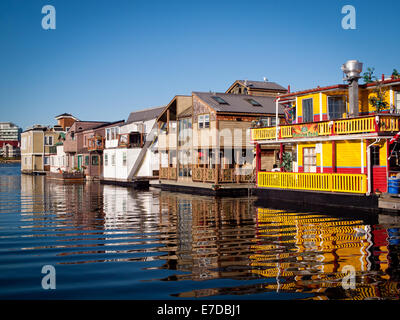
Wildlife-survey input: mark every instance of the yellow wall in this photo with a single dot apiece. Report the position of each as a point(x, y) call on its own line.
point(364, 96)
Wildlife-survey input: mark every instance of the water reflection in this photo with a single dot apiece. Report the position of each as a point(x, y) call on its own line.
point(170, 245)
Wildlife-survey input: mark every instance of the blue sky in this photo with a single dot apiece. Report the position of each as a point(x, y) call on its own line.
point(108, 58)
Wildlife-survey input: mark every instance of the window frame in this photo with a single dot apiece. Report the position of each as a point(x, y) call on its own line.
point(303, 109)
point(343, 98)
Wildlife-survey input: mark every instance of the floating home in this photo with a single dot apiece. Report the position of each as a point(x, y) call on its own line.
point(131, 153)
point(37, 144)
point(204, 139)
point(341, 146)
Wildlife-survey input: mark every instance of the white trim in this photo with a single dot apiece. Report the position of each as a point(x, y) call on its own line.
point(297, 110)
point(362, 155)
point(322, 157)
point(277, 124)
point(391, 97)
point(320, 106)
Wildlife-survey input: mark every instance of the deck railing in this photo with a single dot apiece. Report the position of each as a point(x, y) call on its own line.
point(337, 127)
point(168, 173)
point(96, 143)
point(333, 182)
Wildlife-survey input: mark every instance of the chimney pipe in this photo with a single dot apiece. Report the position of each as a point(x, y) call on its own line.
point(352, 70)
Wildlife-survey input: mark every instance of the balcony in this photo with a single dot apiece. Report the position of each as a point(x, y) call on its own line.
point(370, 124)
point(96, 144)
point(131, 140)
point(328, 182)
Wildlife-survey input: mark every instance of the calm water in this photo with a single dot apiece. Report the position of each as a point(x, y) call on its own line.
point(109, 242)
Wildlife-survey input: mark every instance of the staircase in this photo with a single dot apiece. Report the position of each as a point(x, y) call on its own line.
point(150, 139)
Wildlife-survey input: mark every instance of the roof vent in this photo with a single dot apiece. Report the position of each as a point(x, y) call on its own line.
point(352, 69)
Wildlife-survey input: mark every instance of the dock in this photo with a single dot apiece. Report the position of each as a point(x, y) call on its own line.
point(390, 202)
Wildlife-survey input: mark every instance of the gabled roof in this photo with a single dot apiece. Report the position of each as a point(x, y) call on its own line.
point(186, 113)
point(239, 103)
point(259, 85)
point(143, 115)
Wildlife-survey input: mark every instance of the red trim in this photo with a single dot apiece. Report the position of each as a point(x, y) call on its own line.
point(13, 143)
point(337, 86)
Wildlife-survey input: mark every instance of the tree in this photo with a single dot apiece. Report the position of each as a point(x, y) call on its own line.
point(395, 74)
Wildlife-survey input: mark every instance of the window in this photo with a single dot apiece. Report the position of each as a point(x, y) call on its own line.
point(105, 159)
point(204, 121)
point(66, 129)
point(336, 107)
point(113, 159)
point(124, 159)
point(108, 134)
point(375, 155)
point(46, 160)
point(309, 160)
point(95, 160)
point(172, 127)
point(307, 110)
point(273, 121)
point(86, 160)
point(253, 102)
point(201, 121)
point(219, 100)
point(48, 141)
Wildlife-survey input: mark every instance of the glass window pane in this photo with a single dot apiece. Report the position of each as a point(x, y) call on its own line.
point(307, 110)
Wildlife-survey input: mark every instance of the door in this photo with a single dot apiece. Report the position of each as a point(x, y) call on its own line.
point(309, 160)
point(80, 162)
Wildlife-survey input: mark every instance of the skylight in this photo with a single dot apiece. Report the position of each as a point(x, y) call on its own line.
point(219, 100)
point(253, 102)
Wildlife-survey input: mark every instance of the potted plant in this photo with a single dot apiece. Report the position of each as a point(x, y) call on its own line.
point(287, 162)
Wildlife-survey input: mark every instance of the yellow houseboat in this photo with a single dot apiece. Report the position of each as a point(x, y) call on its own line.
point(338, 140)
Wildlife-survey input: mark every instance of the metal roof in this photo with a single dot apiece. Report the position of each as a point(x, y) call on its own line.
point(238, 103)
point(143, 115)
